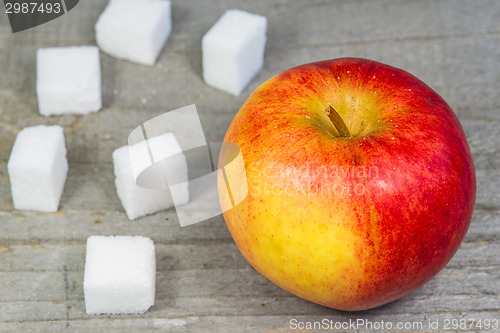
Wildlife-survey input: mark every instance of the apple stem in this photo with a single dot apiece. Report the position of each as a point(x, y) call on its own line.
point(338, 122)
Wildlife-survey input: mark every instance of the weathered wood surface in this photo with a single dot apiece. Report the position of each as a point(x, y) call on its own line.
point(203, 282)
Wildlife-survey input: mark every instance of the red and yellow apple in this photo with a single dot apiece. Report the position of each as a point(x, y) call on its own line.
point(360, 181)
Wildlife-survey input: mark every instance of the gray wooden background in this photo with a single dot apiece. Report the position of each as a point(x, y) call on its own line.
point(203, 282)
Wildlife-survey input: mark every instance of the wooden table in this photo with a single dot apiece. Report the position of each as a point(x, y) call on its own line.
point(203, 282)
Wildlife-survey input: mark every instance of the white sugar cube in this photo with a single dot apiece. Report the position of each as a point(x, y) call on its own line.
point(68, 80)
point(37, 168)
point(134, 30)
point(140, 201)
point(233, 50)
point(120, 274)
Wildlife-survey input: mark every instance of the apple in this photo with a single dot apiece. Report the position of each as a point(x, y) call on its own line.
point(359, 182)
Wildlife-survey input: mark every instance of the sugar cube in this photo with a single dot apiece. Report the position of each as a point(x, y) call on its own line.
point(120, 274)
point(68, 80)
point(139, 201)
point(233, 50)
point(37, 168)
point(134, 30)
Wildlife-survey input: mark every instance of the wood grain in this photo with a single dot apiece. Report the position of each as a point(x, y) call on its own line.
point(203, 282)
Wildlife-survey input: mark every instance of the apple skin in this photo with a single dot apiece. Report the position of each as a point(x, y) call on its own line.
point(349, 223)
